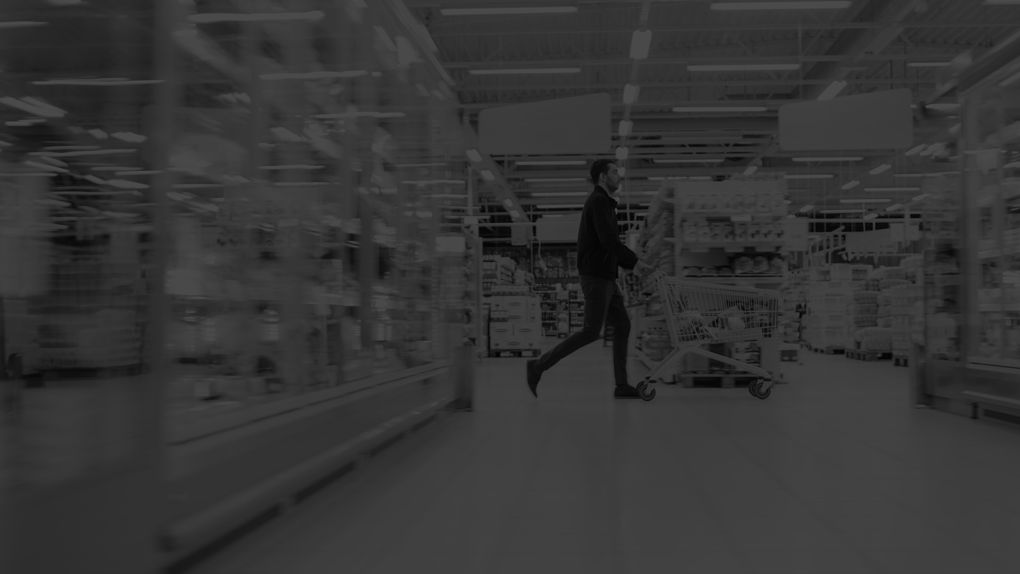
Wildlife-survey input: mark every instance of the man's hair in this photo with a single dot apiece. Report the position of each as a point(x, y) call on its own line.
point(599, 167)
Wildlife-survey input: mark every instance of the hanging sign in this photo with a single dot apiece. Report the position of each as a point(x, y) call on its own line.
point(795, 236)
point(868, 243)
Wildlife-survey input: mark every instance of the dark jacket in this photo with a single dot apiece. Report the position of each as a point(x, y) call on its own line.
point(599, 249)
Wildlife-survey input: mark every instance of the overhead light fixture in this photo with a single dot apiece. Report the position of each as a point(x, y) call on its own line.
point(865, 200)
point(833, 90)
point(743, 67)
point(565, 206)
point(630, 93)
point(809, 176)
point(833, 211)
point(670, 178)
point(881, 169)
point(625, 127)
point(514, 213)
point(871, 216)
point(915, 150)
point(806, 5)
point(920, 197)
point(718, 109)
point(494, 72)
point(508, 203)
point(553, 162)
point(560, 194)
point(851, 184)
point(473, 155)
point(806, 208)
point(908, 175)
point(691, 160)
point(928, 64)
point(487, 175)
point(751, 169)
point(894, 207)
point(621, 153)
point(810, 159)
point(892, 189)
point(640, 42)
point(211, 18)
point(508, 11)
point(554, 179)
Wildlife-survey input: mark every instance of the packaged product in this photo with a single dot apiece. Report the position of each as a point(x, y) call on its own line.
point(724, 271)
point(729, 233)
point(740, 232)
point(743, 264)
point(763, 203)
point(766, 231)
point(761, 264)
point(753, 231)
point(704, 232)
point(776, 266)
point(690, 231)
point(717, 231)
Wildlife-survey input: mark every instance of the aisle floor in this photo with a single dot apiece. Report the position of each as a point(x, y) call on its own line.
point(835, 473)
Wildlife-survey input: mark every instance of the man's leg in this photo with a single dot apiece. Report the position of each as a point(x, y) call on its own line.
point(597, 294)
point(617, 317)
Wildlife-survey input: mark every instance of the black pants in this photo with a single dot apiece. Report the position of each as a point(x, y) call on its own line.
point(602, 304)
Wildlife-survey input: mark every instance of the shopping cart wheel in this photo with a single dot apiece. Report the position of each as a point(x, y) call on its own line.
point(645, 391)
point(763, 394)
point(752, 387)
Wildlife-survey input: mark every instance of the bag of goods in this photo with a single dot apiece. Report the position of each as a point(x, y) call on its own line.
point(885, 322)
point(884, 298)
point(866, 297)
point(742, 265)
point(761, 264)
point(875, 339)
point(890, 283)
point(862, 321)
point(776, 266)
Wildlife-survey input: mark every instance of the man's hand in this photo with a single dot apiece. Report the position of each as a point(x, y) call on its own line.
point(643, 267)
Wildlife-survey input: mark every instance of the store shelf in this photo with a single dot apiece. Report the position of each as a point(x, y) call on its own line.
point(997, 307)
point(731, 246)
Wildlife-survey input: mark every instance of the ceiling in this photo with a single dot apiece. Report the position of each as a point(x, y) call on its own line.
point(871, 44)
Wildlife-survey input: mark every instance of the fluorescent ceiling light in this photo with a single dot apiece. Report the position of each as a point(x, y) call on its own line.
point(809, 176)
point(719, 109)
point(473, 155)
point(881, 169)
point(806, 5)
point(915, 150)
point(894, 207)
point(211, 18)
point(750, 169)
point(691, 160)
point(640, 42)
point(625, 127)
point(630, 93)
point(851, 184)
point(833, 90)
point(708, 177)
point(920, 197)
point(871, 216)
point(515, 213)
point(554, 179)
point(487, 175)
point(526, 71)
point(560, 194)
point(867, 200)
point(508, 11)
point(806, 208)
point(943, 106)
point(908, 175)
point(565, 206)
point(841, 210)
point(892, 189)
point(743, 67)
point(808, 159)
point(670, 178)
point(928, 64)
point(554, 162)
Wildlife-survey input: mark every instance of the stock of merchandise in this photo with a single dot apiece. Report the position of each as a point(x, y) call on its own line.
point(488, 286)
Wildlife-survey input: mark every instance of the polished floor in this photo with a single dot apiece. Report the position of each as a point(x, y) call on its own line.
point(835, 473)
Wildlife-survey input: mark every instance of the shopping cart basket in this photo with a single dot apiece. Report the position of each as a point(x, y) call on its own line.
point(700, 313)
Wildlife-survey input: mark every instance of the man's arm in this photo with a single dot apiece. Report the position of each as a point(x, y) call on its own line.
point(611, 240)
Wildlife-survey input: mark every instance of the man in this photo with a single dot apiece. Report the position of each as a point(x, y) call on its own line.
point(599, 253)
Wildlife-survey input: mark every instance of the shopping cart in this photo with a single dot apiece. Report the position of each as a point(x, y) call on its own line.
point(700, 313)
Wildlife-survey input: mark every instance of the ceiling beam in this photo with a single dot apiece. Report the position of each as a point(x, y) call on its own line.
point(437, 31)
point(618, 86)
point(624, 61)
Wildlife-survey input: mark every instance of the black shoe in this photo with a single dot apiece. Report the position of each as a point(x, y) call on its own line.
point(626, 392)
point(533, 377)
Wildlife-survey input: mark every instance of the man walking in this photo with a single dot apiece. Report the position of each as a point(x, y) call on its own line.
point(599, 253)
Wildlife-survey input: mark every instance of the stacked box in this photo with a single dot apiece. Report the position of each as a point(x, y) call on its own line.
point(522, 327)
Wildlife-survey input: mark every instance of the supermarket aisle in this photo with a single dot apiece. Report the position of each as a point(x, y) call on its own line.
point(834, 473)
